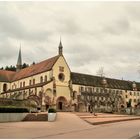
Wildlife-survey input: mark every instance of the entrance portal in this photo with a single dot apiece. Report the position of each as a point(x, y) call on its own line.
point(61, 103)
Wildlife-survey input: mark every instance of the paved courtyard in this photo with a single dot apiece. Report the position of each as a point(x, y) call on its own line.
point(69, 125)
point(104, 118)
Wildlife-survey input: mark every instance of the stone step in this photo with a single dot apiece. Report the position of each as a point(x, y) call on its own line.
point(36, 117)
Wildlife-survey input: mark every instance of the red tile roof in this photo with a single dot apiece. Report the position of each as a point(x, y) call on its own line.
point(6, 76)
point(43, 66)
point(46, 65)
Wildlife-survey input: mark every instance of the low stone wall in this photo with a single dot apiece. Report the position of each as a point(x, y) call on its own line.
point(137, 111)
point(12, 117)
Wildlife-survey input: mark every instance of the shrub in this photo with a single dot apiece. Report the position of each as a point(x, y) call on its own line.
point(51, 110)
point(13, 110)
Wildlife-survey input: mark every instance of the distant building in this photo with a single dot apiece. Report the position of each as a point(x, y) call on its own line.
point(51, 83)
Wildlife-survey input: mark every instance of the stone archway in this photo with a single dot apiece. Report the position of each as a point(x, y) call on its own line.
point(36, 99)
point(61, 103)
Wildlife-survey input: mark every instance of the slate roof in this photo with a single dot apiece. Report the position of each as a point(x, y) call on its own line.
point(6, 76)
point(46, 65)
point(96, 81)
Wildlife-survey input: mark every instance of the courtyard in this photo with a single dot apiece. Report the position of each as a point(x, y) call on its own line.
point(73, 125)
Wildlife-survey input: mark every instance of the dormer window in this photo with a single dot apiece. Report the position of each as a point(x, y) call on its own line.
point(134, 86)
point(104, 81)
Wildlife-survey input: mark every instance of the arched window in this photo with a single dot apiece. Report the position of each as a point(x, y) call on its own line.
point(4, 87)
point(23, 84)
point(36, 91)
point(20, 84)
point(33, 81)
point(82, 89)
point(41, 79)
point(30, 82)
point(74, 95)
point(45, 78)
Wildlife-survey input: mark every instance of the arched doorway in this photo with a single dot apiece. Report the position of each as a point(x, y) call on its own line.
point(61, 103)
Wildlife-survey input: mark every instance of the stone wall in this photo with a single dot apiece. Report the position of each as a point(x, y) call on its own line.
point(12, 117)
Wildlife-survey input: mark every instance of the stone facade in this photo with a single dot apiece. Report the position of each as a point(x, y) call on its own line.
point(51, 83)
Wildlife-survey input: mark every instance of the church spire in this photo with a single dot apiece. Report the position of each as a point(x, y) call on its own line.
point(19, 61)
point(60, 48)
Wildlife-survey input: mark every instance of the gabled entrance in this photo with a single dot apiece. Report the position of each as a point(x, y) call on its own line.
point(61, 103)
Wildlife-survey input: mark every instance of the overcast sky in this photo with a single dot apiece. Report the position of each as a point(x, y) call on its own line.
point(94, 35)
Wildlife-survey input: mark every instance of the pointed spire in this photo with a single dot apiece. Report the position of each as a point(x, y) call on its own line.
point(60, 48)
point(19, 61)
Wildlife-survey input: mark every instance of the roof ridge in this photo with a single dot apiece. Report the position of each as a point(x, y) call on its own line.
point(105, 77)
point(38, 63)
point(37, 68)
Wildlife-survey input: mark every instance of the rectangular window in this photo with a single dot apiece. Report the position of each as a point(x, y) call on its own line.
point(86, 89)
point(97, 90)
point(101, 90)
point(61, 69)
point(90, 89)
point(82, 89)
point(134, 93)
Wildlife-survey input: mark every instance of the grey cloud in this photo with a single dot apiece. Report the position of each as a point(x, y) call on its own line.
point(93, 34)
point(121, 26)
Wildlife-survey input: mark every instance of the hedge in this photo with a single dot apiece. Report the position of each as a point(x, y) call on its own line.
point(13, 110)
point(51, 110)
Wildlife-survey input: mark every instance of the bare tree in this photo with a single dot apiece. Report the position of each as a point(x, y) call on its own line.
point(100, 72)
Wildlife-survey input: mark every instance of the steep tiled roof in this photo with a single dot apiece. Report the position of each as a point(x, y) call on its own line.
point(90, 80)
point(36, 69)
point(46, 65)
point(6, 76)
